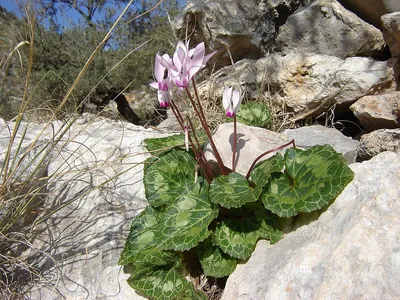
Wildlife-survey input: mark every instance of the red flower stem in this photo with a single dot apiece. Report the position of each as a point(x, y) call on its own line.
point(198, 155)
point(234, 144)
point(177, 114)
point(206, 165)
point(217, 155)
point(207, 130)
point(265, 153)
point(198, 101)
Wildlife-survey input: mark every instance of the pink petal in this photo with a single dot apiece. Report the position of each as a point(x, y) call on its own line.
point(154, 85)
point(230, 114)
point(207, 57)
point(198, 52)
point(158, 69)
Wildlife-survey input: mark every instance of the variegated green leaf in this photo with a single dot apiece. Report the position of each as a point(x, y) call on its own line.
point(168, 177)
point(261, 174)
point(157, 277)
point(311, 180)
point(254, 114)
point(237, 237)
point(185, 222)
point(268, 229)
point(231, 190)
point(141, 236)
point(238, 234)
point(214, 262)
point(155, 258)
point(165, 143)
point(161, 145)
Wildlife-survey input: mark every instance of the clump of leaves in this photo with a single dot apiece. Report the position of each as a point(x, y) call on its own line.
point(222, 220)
point(254, 114)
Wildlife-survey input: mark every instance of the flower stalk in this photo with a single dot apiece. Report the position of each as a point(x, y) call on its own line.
point(234, 144)
point(266, 153)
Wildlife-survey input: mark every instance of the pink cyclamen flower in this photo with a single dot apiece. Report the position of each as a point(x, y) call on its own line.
point(164, 97)
point(163, 83)
point(185, 63)
point(231, 101)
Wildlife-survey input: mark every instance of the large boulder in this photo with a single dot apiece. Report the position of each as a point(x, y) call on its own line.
point(391, 32)
point(343, 34)
point(254, 141)
point(372, 10)
point(350, 252)
point(306, 84)
point(93, 191)
point(309, 136)
point(251, 29)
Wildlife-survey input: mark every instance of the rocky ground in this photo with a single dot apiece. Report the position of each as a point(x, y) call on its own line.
point(317, 60)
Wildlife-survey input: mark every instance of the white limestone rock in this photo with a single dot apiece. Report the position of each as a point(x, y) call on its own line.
point(344, 34)
point(350, 252)
point(306, 84)
point(309, 136)
point(378, 111)
point(95, 189)
point(391, 32)
point(251, 142)
point(378, 141)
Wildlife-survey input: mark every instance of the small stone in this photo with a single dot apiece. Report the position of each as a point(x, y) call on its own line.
point(378, 111)
point(378, 141)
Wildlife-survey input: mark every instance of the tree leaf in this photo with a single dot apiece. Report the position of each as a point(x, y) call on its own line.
point(157, 277)
point(167, 177)
point(185, 223)
point(214, 262)
point(254, 114)
point(232, 190)
point(311, 180)
point(141, 236)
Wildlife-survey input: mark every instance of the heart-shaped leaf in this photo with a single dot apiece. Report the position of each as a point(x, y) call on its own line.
point(157, 277)
point(311, 180)
point(268, 226)
point(185, 222)
point(168, 177)
point(238, 234)
point(141, 236)
point(214, 262)
point(261, 173)
point(254, 114)
point(237, 237)
point(160, 145)
point(232, 190)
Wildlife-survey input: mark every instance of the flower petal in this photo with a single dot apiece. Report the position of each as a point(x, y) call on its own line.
point(226, 98)
point(236, 100)
point(158, 68)
point(207, 57)
point(154, 85)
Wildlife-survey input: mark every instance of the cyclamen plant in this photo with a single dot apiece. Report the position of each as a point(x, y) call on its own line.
point(217, 219)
